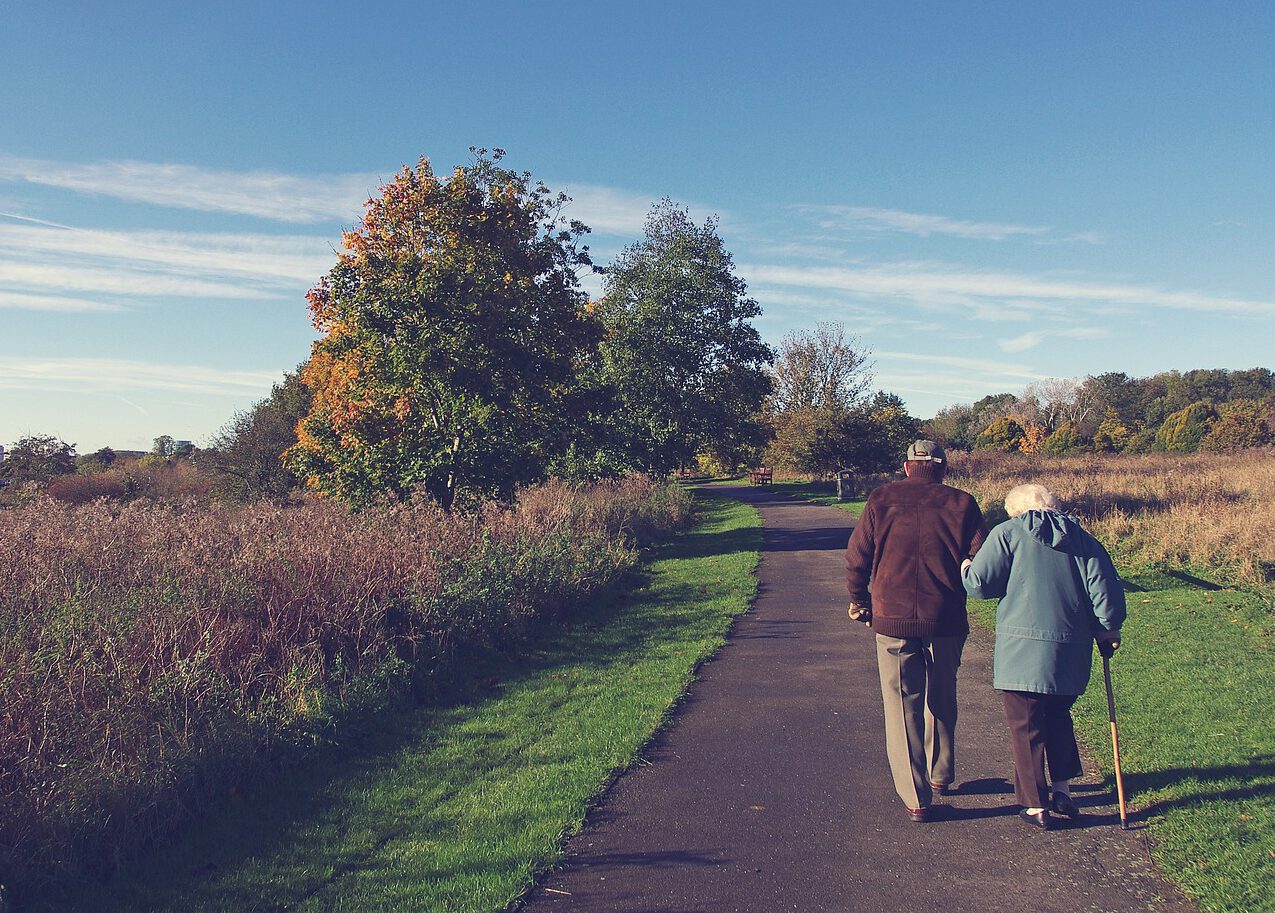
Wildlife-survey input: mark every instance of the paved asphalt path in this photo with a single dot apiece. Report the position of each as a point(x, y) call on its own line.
point(769, 790)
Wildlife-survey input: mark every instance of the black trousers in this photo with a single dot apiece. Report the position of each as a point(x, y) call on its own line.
point(1040, 730)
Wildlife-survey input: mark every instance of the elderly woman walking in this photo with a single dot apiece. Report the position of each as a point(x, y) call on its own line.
point(1059, 593)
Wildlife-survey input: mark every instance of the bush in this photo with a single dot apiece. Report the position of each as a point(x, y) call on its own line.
point(1065, 441)
point(1004, 435)
point(151, 653)
point(1241, 424)
point(1183, 431)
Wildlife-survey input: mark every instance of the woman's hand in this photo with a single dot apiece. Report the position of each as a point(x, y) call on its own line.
point(1108, 642)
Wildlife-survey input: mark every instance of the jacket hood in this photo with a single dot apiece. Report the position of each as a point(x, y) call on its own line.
point(1051, 528)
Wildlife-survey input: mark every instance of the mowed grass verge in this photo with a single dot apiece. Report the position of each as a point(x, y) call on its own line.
point(1194, 684)
point(456, 808)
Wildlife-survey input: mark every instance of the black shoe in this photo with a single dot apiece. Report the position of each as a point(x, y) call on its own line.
point(942, 789)
point(1040, 819)
point(1062, 804)
point(919, 815)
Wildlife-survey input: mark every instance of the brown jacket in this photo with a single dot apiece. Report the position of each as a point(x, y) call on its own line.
point(908, 546)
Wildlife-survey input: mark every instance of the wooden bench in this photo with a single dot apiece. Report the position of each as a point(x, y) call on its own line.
point(763, 475)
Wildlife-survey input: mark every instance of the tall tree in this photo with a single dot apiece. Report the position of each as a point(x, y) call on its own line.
point(36, 458)
point(247, 453)
point(687, 366)
point(453, 323)
point(820, 369)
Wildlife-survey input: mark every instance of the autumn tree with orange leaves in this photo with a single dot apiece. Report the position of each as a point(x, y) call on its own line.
point(453, 327)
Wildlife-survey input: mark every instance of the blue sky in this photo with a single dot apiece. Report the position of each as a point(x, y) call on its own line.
point(989, 194)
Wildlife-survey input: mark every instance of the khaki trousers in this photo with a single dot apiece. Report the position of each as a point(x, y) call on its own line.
point(918, 692)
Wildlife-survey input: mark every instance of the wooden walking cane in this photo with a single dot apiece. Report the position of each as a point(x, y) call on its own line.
point(1115, 742)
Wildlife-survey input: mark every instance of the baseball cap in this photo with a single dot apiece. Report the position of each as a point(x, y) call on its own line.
point(926, 452)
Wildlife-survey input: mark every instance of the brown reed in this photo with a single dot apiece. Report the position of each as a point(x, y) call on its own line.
point(151, 651)
point(1177, 510)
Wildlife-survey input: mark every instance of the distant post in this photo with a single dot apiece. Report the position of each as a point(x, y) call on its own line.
point(845, 485)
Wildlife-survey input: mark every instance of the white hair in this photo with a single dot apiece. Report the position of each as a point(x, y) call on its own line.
point(1023, 498)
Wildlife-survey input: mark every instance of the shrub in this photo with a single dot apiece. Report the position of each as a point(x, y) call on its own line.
point(1183, 430)
point(1240, 424)
point(1064, 441)
point(1004, 435)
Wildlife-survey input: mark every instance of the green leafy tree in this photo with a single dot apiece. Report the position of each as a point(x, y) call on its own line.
point(1185, 429)
point(247, 454)
point(453, 327)
point(1003, 434)
point(686, 364)
point(98, 461)
point(952, 426)
point(37, 458)
point(809, 440)
point(163, 446)
point(878, 433)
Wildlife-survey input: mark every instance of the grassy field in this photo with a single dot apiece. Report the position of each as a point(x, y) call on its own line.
point(456, 807)
point(1193, 679)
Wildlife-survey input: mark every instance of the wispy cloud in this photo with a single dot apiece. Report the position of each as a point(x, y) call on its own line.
point(993, 295)
point(954, 378)
point(19, 301)
point(982, 366)
point(609, 210)
point(279, 259)
point(1034, 338)
point(40, 262)
point(120, 282)
point(918, 223)
point(621, 213)
point(264, 194)
point(107, 375)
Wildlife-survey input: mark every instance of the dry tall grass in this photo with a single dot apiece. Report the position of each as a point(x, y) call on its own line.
point(1203, 510)
point(146, 649)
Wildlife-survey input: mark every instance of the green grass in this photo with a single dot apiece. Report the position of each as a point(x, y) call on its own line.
point(1194, 697)
point(455, 808)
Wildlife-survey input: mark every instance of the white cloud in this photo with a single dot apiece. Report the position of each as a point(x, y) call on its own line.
point(264, 194)
point(275, 259)
point(1034, 338)
point(918, 223)
point(993, 295)
point(18, 301)
point(618, 212)
point(609, 210)
point(120, 281)
point(108, 375)
point(981, 366)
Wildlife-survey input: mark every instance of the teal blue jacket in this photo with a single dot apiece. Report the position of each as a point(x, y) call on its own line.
point(1056, 586)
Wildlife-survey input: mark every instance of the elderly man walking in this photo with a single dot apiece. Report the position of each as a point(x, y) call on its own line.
point(903, 568)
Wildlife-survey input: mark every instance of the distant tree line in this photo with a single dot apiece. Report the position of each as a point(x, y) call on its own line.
point(1174, 412)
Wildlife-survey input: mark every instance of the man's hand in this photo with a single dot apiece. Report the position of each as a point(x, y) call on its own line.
point(1108, 642)
point(964, 564)
point(860, 613)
